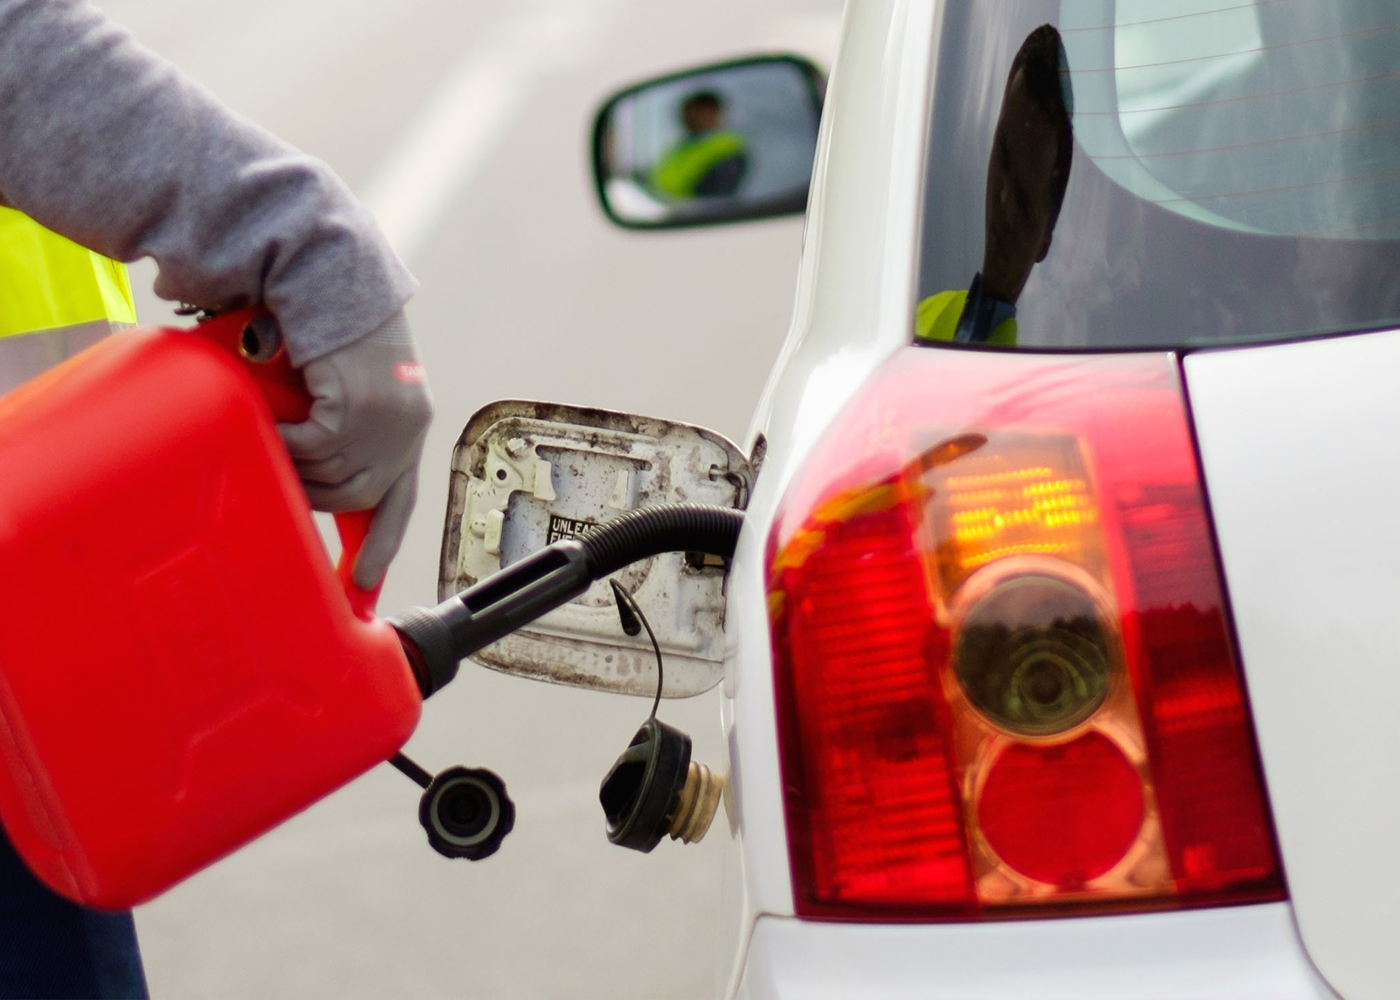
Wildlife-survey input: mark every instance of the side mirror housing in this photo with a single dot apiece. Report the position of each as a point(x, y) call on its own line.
point(719, 143)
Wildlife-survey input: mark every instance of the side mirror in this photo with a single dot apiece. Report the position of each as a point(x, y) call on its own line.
point(717, 143)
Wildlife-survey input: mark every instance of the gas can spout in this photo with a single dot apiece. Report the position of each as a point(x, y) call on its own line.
point(437, 639)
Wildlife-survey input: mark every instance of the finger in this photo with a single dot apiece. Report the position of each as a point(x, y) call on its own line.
point(310, 440)
point(386, 530)
point(332, 472)
point(359, 492)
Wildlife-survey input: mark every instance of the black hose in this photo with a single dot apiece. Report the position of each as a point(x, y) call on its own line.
point(667, 527)
point(437, 639)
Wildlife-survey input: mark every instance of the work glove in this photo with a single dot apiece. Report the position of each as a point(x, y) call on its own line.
point(359, 449)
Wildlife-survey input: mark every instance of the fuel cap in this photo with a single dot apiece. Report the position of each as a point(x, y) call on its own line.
point(642, 790)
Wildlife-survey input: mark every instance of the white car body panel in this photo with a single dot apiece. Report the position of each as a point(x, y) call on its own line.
point(1299, 444)
point(1239, 952)
point(854, 306)
point(856, 283)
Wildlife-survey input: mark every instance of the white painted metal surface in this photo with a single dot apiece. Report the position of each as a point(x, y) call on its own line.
point(856, 283)
point(1300, 444)
point(1225, 954)
point(526, 474)
point(853, 308)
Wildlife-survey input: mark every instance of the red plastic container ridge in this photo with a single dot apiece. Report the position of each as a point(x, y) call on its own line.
point(181, 668)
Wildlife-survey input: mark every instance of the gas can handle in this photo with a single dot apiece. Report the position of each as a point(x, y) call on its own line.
point(253, 337)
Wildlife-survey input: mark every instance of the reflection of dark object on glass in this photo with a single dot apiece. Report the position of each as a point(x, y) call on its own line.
point(1032, 152)
point(1209, 206)
point(1033, 655)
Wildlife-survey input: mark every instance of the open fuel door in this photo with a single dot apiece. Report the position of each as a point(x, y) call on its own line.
point(525, 474)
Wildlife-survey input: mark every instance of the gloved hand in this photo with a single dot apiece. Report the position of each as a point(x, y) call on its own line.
point(360, 448)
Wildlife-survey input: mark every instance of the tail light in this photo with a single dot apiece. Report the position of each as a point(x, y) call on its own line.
point(1005, 677)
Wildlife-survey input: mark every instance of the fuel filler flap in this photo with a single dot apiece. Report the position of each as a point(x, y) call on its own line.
point(525, 474)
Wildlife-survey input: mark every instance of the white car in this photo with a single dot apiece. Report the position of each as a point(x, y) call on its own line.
point(1058, 649)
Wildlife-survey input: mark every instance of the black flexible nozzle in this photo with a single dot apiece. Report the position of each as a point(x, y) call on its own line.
point(436, 640)
point(670, 527)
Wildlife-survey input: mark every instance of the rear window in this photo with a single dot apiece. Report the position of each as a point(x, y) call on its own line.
point(1162, 173)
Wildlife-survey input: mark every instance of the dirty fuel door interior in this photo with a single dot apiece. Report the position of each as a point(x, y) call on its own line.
point(526, 474)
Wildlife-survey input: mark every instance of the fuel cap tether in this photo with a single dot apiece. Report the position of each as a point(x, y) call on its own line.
point(654, 788)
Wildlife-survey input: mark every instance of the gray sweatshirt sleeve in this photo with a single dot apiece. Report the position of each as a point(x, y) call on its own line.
point(108, 144)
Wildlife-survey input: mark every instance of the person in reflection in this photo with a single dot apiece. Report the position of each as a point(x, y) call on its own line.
point(710, 161)
point(1032, 150)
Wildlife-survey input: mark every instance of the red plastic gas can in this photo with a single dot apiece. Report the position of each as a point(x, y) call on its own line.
point(181, 667)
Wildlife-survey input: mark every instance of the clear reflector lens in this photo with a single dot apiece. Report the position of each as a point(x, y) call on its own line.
point(1033, 655)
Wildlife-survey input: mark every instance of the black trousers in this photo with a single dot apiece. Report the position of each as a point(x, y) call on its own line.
point(50, 947)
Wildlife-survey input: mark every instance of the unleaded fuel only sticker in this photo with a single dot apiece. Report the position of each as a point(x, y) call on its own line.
point(567, 527)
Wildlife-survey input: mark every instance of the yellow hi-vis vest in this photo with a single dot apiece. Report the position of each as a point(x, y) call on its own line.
point(685, 165)
point(937, 319)
point(48, 282)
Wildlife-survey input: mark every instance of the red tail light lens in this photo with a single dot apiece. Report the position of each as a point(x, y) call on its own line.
point(1005, 679)
point(1063, 814)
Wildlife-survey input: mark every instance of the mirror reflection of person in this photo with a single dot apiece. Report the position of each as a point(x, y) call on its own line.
point(710, 161)
point(1032, 150)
